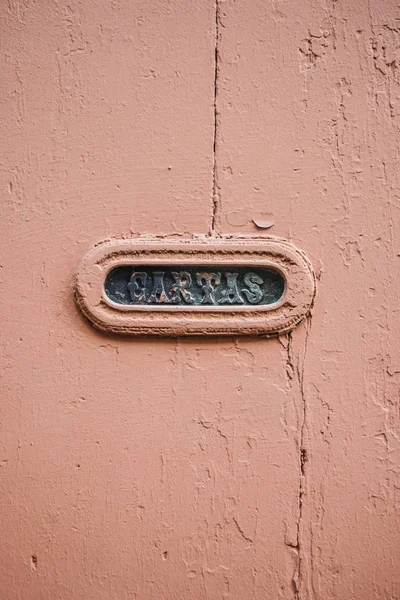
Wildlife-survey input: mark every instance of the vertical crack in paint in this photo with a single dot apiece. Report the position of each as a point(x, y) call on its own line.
point(214, 170)
point(295, 544)
point(303, 458)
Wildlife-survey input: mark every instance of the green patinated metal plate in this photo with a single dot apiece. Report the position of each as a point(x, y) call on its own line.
point(194, 285)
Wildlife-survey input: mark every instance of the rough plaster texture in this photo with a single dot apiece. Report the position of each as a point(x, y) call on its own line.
point(200, 469)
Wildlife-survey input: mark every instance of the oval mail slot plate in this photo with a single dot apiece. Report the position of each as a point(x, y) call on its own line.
point(196, 286)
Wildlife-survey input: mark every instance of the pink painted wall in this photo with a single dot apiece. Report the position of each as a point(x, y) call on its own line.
point(200, 469)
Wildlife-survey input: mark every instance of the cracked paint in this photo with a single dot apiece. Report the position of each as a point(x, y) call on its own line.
point(200, 469)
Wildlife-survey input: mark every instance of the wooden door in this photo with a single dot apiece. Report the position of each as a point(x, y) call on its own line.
point(200, 469)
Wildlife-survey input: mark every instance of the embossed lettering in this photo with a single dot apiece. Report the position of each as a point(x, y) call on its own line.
point(254, 293)
point(190, 285)
point(208, 282)
point(231, 294)
point(137, 287)
point(158, 295)
point(179, 289)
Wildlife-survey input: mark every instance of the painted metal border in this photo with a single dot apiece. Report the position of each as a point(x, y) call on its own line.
point(178, 320)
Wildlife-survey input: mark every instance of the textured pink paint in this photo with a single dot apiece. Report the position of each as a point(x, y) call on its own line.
point(200, 469)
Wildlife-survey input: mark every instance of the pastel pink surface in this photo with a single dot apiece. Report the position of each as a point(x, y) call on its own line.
point(200, 469)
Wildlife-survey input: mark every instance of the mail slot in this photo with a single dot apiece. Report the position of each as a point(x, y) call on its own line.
point(196, 286)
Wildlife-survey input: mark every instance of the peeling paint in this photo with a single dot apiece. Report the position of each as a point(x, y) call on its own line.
point(226, 468)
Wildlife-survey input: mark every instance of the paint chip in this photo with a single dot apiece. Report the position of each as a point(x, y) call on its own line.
point(264, 220)
point(33, 562)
